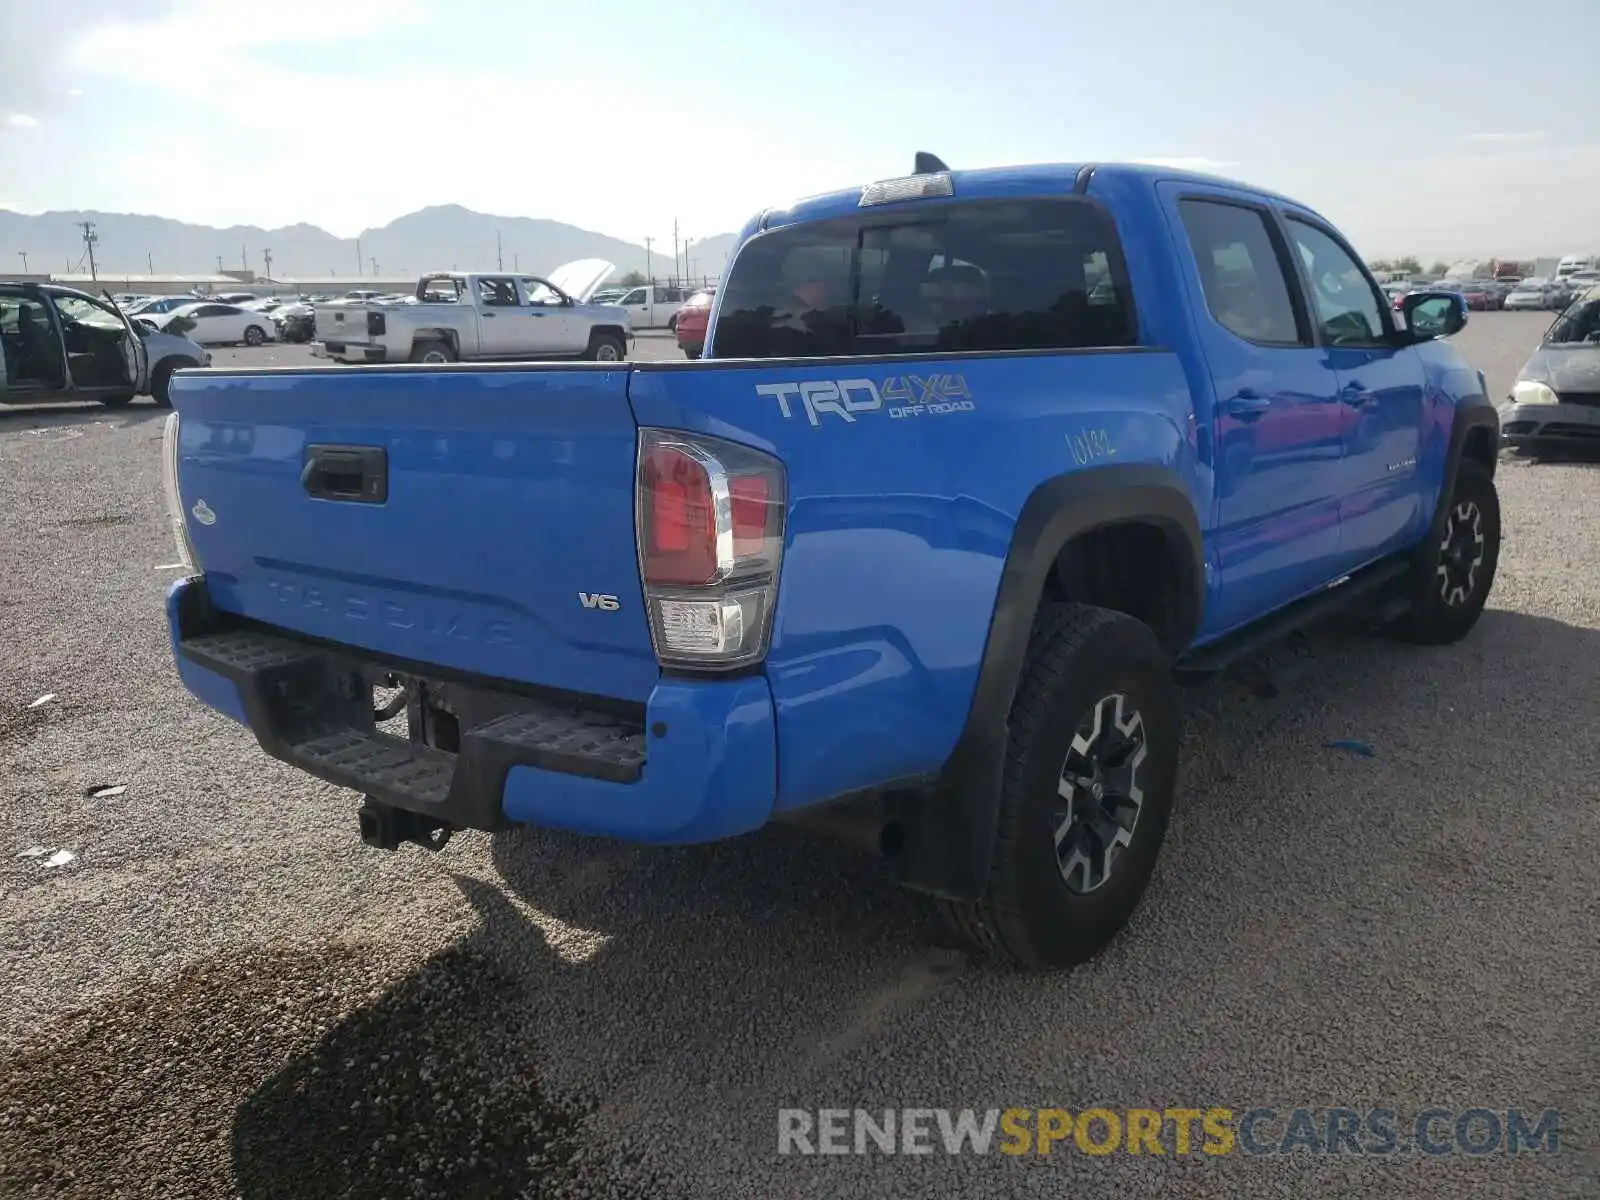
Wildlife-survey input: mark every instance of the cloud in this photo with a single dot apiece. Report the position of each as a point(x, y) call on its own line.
point(36, 41)
point(21, 120)
point(1507, 139)
point(1181, 162)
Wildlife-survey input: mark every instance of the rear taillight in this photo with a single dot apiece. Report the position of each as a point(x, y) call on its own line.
point(376, 325)
point(710, 526)
point(175, 513)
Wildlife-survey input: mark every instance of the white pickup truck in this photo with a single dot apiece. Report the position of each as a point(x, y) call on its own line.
point(480, 317)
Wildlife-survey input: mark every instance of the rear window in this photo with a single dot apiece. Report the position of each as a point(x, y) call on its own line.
point(985, 276)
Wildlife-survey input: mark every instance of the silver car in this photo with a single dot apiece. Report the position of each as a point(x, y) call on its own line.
point(61, 344)
point(1534, 294)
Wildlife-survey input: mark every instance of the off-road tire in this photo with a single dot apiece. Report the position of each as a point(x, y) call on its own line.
point(605, 347)
point(432, 351)
point(1441, 613)
point(1027, 915)
point(254, 335)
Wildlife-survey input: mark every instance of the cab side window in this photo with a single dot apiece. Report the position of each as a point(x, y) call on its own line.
point(634, 297)
point(1241, 272)
point(1348, 310)
point(497, 293)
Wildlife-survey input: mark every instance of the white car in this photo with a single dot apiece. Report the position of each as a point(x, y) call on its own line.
point(1534, 293)
point(654, 307)
point(218, 324)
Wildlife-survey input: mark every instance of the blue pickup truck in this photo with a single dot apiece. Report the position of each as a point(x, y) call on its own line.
point(977, 468)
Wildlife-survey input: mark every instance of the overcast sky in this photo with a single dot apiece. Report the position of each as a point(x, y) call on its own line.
point(1441, 129)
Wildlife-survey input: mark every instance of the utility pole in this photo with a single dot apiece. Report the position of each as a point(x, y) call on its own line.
point(90, 237)
point(674, 247)
point(219, 264)
point(374, 268)
point(244, 258)
point(647, 277)
point(358, 255)
point(686, 271)
point(266, 257)
point(499, 254)
point(516, 263)
point(24, 256)
point(149, 263)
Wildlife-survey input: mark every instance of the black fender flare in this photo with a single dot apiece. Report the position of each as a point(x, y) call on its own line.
point(1471, 413)
point(949, 842)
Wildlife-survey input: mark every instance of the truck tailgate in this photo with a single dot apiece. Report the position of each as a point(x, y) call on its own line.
point(345, 323)
point(495, 534)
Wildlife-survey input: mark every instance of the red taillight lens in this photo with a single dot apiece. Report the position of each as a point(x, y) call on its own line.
point(749, 497)
point(711, 527)
point(680, 528)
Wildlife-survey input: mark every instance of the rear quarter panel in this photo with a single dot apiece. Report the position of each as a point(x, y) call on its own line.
point(900, 518)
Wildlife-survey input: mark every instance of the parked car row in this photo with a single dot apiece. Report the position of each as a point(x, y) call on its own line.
point(1487, 295)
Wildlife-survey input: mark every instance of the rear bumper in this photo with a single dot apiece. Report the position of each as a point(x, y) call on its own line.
point(698, 763)
point(1525, 424)
point(349, 352)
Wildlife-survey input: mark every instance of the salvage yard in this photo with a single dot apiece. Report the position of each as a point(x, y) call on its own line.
point(224, 993)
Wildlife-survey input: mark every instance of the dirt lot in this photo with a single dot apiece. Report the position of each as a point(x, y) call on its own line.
point(226, 994)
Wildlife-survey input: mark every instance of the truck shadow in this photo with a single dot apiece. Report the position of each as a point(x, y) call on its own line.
point(703, 986)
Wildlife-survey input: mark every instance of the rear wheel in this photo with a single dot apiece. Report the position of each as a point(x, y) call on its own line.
point(692, 352)
point(672, 323)
point(254, 335)
point(604, 347)
point(1454, 577)
point(432, 352)
point(1087, 789)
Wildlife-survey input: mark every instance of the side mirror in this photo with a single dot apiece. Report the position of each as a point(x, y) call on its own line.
point(1430, 315)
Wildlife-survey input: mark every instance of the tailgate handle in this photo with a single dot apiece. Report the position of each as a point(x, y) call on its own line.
point(355, 474)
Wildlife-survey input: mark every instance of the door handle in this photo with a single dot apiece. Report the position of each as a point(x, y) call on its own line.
point(488, 316)
point(1355, 395)
point(1247, 404)
point(356, 474)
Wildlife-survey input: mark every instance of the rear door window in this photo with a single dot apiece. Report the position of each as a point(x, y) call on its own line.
point(1042, 274)
point(1241, 271)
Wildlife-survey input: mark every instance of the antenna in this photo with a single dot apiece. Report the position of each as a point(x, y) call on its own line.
point(928, 164)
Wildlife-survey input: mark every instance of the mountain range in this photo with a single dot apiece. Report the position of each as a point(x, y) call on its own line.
point(443, 237)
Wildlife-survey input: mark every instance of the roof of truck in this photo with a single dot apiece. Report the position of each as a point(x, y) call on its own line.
point(995, 182)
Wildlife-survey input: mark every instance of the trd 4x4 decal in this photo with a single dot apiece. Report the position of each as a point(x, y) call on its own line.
point(900, 395)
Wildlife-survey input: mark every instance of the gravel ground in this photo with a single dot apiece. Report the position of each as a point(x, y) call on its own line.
point(226, 994)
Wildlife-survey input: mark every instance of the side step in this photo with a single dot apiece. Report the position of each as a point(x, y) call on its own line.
point(1382, 582)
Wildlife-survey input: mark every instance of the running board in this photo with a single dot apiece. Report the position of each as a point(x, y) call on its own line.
point(1367, 584)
